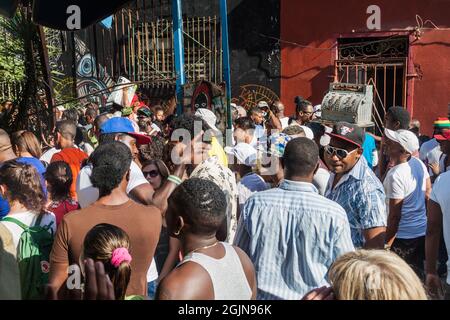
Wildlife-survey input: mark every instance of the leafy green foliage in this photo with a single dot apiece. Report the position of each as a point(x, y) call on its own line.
point(12, 67)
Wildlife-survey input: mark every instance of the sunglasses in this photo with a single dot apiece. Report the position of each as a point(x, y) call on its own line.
point(340, 153)
point(152, 173)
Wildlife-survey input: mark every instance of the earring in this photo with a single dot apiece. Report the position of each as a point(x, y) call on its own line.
point(177, 233)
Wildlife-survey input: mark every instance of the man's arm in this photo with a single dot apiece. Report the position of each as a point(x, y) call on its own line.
point(143, 194)
point(275, 123)
point(375, 238)
point(432, 239)
point(428, 190)
point(172, 257)
point(395, 214)
point(162, 194)
point(377, 138)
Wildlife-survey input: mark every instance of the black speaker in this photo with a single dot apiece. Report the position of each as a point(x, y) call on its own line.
point(8, 7)
point(71, 15)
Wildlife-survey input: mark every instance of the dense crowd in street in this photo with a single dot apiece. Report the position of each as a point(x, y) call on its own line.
point(140, 203)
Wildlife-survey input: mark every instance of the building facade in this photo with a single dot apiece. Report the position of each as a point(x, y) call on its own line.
point(401, 47)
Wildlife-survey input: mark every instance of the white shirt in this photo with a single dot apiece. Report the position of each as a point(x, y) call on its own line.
point(284, 122)
point(430, 152)
point(47, 156)
point(442, 168)
point(28, 218)
point(248, 185)
point(408, 181)
point(259, 136)
point(152, 273)
point(320, 180)
point(440, 195)
point(88, 149)
point(87, 194)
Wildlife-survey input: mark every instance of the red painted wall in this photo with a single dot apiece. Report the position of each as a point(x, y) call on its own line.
point(307, 71)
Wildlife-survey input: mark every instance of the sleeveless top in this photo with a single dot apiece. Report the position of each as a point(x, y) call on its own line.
point(227, 274)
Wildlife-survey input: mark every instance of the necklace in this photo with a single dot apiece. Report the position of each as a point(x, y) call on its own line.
point(204, 248)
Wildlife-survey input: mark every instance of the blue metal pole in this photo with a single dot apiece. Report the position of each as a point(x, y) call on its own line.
point(179, 52)
point(226, 58)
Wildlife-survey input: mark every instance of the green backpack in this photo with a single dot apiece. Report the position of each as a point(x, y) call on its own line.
point(33, 256)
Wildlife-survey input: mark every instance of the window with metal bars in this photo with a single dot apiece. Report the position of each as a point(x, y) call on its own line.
point(377, 61)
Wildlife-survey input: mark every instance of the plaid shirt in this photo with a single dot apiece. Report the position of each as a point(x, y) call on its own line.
point(292, 235)
point(362, 196)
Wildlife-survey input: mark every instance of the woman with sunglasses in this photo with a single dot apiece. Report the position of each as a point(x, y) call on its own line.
point(156, 173)
point(166, 255)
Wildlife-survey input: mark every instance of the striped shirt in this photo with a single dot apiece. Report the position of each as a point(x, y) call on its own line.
point(292, 235)
point(362, 196)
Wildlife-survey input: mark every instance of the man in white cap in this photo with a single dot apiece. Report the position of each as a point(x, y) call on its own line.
point(216, 147)
point(244, 160)
point(407, 187)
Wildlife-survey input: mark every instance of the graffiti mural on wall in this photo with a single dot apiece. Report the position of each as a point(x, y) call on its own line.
point(89, 80)
point(251, 94)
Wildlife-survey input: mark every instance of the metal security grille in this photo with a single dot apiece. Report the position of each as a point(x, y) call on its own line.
point(146, 51)
point(381, 62)
point(10, 90)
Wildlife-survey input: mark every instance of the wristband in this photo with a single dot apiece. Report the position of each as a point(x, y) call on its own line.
point(174, 179)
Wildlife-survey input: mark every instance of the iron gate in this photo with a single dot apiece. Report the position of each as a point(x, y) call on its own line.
point(381, 62)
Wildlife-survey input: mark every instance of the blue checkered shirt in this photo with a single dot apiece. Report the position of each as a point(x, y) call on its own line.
point(362, 196)
point(292, 235)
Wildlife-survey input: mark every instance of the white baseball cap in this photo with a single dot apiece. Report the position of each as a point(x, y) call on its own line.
point(405, 138)
point(263, 104)
point(209, 117)
point(244, 153)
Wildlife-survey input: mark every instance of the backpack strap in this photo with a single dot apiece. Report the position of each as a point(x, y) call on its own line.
point(38, 223)
point(15, 221)
point(39, 219)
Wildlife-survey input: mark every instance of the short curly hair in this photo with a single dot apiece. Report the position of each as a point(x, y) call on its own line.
point(201, 203)
point(154, 150)
point(23, 184)
point(110, 162)
point(189, 123)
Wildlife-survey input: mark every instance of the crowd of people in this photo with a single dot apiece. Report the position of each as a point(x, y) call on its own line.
point(139, 203)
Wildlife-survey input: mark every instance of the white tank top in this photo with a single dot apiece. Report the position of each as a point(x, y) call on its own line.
point(227, 274)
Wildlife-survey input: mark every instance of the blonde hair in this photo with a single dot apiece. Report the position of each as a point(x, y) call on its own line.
point(374, 275)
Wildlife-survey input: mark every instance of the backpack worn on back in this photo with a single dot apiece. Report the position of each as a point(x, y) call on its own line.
point(33, 256)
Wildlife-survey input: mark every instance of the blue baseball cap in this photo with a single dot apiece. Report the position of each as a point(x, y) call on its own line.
point(123, 125)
